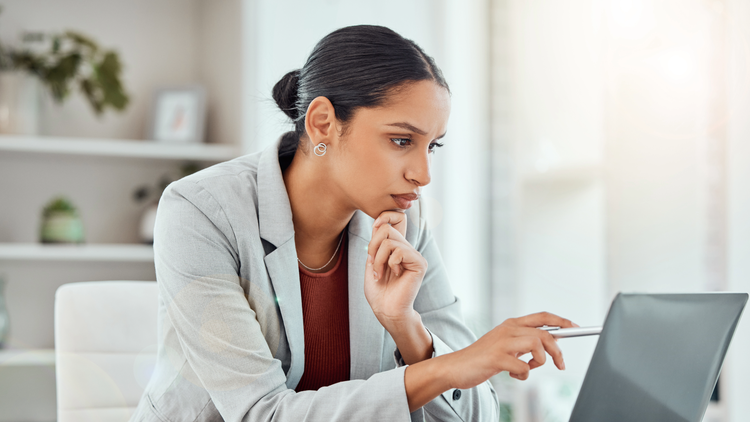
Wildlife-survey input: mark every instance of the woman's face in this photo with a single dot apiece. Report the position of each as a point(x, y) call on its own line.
point(384, 157)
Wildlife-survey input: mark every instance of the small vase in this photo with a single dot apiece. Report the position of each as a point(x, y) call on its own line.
point(62, 227)
point(4, 318)
point(148, 218)
point(19, 103)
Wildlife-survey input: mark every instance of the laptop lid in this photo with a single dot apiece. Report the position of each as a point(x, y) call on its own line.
point(658, 357)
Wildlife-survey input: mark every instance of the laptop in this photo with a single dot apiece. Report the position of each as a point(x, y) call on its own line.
point(658, 357)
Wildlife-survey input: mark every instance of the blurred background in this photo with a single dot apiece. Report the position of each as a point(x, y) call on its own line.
point(594, 147)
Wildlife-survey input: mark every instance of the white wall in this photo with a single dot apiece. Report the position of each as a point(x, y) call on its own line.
point(219, 66)
point(657, 105)
point(463, 170)
point(556, 133)
point(737, 367)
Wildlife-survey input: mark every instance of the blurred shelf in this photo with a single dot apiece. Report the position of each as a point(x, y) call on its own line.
point(118, 148)
point(85, 252)
point(564, 175)
point(27, 357)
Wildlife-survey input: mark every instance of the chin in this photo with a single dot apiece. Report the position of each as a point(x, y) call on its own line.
point(374, 212)
point(379, 207)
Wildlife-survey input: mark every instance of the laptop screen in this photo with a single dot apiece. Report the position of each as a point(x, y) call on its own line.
point(658, 357)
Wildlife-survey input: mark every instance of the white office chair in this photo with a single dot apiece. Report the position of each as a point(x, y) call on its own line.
point(105, 347)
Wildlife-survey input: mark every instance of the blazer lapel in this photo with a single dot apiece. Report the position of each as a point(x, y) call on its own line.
point(282, 268)
point(276, 227)
point(366, 335)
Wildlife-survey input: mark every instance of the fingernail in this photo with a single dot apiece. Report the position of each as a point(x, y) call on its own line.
point(563, 366)
point(576, 325)
point(375, 273)
point(369, 260)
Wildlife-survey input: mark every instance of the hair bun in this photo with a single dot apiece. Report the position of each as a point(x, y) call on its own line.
point(285, 94)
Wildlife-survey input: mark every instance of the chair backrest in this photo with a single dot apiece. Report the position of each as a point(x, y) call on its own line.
point(105, 347)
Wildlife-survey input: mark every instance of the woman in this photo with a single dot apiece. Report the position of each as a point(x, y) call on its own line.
point(301, 283)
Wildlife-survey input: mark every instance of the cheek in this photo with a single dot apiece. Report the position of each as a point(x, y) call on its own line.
point(370, 175)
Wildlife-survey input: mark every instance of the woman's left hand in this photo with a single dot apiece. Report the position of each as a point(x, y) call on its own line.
point(394, 272)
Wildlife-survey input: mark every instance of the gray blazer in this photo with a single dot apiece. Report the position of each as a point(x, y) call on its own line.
point(231, 341)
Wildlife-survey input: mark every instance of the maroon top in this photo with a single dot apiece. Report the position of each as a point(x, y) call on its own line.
point(325, 314)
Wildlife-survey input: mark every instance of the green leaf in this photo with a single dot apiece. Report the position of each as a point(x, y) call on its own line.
point(59, 76)
point(81, 40)
point(59, 204)
point(90, 90)
point(108, 76)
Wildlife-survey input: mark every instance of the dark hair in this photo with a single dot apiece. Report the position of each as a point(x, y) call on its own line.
point(357, 66)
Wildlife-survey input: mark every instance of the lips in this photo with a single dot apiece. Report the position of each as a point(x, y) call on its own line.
point(404, 201)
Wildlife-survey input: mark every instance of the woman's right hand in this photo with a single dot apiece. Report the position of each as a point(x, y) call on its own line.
point(500, 350)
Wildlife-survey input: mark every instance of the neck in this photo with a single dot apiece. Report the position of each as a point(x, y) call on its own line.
point(318, 211)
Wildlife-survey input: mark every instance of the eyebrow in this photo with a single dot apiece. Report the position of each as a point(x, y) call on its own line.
point(408, 126)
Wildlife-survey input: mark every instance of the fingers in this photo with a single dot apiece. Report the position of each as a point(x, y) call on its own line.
point(384, 232)
point(520, 341)
point(385, 239)
point(381, 257)
point(395, 260)
point(545, 318)
point(396, 219)
point(398, 257)
point(553, 349)
point(518, 369)
point(533, 345)
point(550, 345)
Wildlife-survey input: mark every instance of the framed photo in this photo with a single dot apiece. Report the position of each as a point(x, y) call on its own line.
point(179, 114)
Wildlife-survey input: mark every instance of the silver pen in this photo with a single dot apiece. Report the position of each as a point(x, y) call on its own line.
point(558, 332)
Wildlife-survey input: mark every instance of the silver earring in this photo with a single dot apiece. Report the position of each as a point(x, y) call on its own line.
point(320, 149)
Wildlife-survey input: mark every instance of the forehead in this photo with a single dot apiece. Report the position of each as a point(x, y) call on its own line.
point(424, 104)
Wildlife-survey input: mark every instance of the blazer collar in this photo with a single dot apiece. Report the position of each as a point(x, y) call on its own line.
point(274, 209)
point(366, 335)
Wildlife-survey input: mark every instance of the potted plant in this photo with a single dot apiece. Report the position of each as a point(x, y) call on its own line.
point(61, 222)
point(61, 62)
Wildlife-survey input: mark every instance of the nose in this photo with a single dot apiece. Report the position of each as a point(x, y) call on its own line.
point(418, 171)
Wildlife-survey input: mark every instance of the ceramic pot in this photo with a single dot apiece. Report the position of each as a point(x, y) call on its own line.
point(19, 103)
point(4, 319)
point(62, 227)
point(148, 218)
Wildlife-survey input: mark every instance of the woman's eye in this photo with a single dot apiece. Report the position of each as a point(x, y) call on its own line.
point(435, 145)
point(402, 142)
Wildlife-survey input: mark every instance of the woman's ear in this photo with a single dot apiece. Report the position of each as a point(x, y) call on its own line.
point(320, 121)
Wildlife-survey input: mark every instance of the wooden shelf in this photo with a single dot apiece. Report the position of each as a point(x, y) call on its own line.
point(85, 252)
point(27, 357)
point(118, 148)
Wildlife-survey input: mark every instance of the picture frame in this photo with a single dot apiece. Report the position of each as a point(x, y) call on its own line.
point(178, 114)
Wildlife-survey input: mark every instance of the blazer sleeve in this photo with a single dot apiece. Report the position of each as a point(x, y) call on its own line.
point(441, 314)
point(197, 267)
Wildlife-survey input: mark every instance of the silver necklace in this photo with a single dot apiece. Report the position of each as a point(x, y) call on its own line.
point(329, 261)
